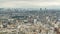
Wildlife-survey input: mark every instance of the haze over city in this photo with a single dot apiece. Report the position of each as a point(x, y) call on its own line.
point(29, 16)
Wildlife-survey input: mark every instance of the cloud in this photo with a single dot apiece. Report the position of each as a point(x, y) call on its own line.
point(32, 0)
point(29, 3)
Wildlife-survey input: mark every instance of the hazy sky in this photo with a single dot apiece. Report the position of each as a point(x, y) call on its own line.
point(29, 3)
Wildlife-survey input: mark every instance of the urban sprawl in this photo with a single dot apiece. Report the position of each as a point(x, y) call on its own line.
point(29, 21)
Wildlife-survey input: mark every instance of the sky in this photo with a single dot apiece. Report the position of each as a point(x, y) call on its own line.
point(29, 3)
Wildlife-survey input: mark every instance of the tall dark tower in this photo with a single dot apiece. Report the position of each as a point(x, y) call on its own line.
point(45, 8)
point(40, 9)
point(45, 11)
